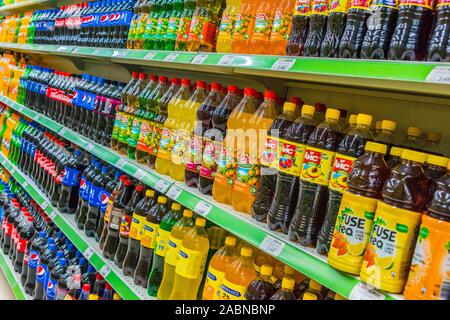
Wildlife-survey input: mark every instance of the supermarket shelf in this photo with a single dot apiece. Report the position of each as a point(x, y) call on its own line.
point(419, 78)
point(122, 284)
point(31, 5)
point(303, 259)
point(13, 278)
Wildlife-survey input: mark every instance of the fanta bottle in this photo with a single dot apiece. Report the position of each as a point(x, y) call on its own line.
point(226, 26)
point(393, 234)
point(259, 39)
point(191, 262)
point(243, 28)
point(281, 28)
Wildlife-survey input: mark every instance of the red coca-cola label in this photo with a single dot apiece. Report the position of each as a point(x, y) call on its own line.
point(8, 229)
point(21, 244)
point(14, 234)
point(364, 4)
point(59, 22)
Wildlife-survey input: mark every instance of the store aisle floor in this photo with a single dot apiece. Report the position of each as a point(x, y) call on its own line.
point(5, 290)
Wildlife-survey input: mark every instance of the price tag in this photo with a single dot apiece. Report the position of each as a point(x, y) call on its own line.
point(76, 50)
point(20, 108)
point(36, 117)
point(88, 253)
point(51, 213)
point(174, 192)
point(119, 54)
point(44, 205)
point(105, 270)
point(62, 131)
point(150, 56)
point(171, 57)
point(363, 292)
point(203, 208)
point(25, 184)
point(283, 64)
point(62, 48)
point(226, 60)
point(162, 186)
point(272, 245)
point(140, 174)
point(439, 75)
point(89, 147)
point(97, 51)
point(121, 163)
point(199, 58)
point(12, 171)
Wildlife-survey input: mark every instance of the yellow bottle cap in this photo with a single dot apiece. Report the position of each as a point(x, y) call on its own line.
point(315, 285)
point(230, 241)
point(437, 161)
point(187, 213)
point(378, 125)
point(337, 296)
point(246, 252)
point(307, 109)
point(288, 270)
point(200, 222)
point(414, 131)
point(266, 270)
point(414, 156)
point(150, 193)
point(176, 206)
point(332, 114)
point(388, 125)
point(116, 297)
point(365, 119)
point(396, 152)
point(352, 119)
point(289, 106)
point(162, 199)
point(448, 166)
point(434, 137)
point(376, 147)
point(288, 283)
point(309, 296)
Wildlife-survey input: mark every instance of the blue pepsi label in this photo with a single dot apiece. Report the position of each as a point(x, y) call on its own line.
point(71, 177)
point(51, 288)
point(33, 259)
point(105, 198)
point(95, 196)
point(43, 89)
point(87, 191)
point(41, 274)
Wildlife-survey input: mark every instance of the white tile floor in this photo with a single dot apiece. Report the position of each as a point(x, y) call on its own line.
point(5, 290)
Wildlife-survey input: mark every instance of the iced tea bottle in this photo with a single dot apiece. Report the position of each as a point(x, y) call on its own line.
point(335, 27)
point(287, 290)
point(315, 289)
point(314, 179)
point(386, 134)
point(262, 287)
point(434, 168)
point(394, 158)
point(438, 44)
point(394, 230)
point(317, 27)
point(432, 143)
point(300, 28)
point(412, 139)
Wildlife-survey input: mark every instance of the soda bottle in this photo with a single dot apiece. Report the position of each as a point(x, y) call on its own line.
point(185, 25)
point(389, 250)
point(286, 292)
point(244, 26)
point(269, 161)
point(162, 25)
point(437, 50)
point(125, 224)
point(70, 182)
point(107, 294)
point(161, 245)
point(432, 143)
point(85, 291)
point(10, 216)
point(26, 234)
point(63, 286)
point(151, 26)
point(317, 27)
point(106, 124)
point(386, 136)
point(350, 148)
point(412, 139)
point(170, 36)
point(281, 27)
point(355, 29)
point(55, 275)
point(82, 216)
point(99, 287)
point(314, 179)
point(33, 261)
point(135, 22)
point(335, 27)
point(179, 230)
point(148, 241)
point(263, 23)
point(262, 288)
point(42, 275)
point(89, 276)
point(380, 25)
point(226, 26)
point(411, 33)
point(314, 291)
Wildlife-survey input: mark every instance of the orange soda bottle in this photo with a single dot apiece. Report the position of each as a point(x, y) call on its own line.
point(243, 27)
point(282, 26)
point(226, 27)
point(259, 39)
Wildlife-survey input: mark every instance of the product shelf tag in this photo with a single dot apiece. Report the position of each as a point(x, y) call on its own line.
point(88, 253)
point(150, 56)
point(272, 246)
point(162, 186)
point(283, 64)
point(226, 60)
point(203, 208)
point(363, 292)
point(199, 58)
point(171, 57)
point(174, 192)
point(439, 74)
point(105, 271)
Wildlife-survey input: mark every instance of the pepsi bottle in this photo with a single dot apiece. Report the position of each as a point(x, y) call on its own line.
point(82, 217)
point(109, 188)
point(33, 261)
point(42, 274)
point(70, 184)
point(95, 202)
point(55, 275)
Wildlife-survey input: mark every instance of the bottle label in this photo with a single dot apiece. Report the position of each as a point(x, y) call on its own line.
point(375, 4)
point(150, 28)
point(173, 250)
point(71, 177)
point(231, 291)
point(162, 239)
point(155, 138)
point(8, 229)
point(291, 157)
point(226, 166)
point(195, 154)
point(108, 211)
point(105, 201)
point(95, 196)
point(270, 155)
point(227, 25)
point(321, 7)
point(184, 29)
point(137, 227)
point(282, 25)
point(341, 171)
point(317, 165)
point(41, 274)
point(389, 251)
point(165, 144)
point(149, 235)
point(213, 284)
point(263, 24)
point(210, 159)
point(242, 27)
point(117, 126)
point(190, 263)
point(33, 259)
point(21, 244)
point(342, 5)
point(172, 28)
point(115, 218)
point(163, 24)
point(125, 223)
point(51, 289)
point(359, 4)
point(179, 139)
point(440, 3)
point(248, 172)
point(135, 132)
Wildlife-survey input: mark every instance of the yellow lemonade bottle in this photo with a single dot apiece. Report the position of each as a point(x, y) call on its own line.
point(191, 262)
point(163, 160)
point(226, 27)
point(179, 230)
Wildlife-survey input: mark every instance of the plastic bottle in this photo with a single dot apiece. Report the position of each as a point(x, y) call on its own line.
point(244, 26)
point(386, 135)
point(95, 201)
point(335, 27)
point(262, 287)
point(350, 148)
point(25, 235)
point(314, 179)
point(432, 144)
point(394, 158)
point(185, 25)
point(434, 168)
point(314, 290)
point(286, 292)
point(439, 37)
point(85, 291)
point(300, 28)
point(263, 23)
point(392, 239)
point(281, 27)
point(173, 24)
point(226, 26)
point(162, 25)
point(151, 25)
point(191, 263)
point(317, 27)
point(412, 139)
point(33, 261)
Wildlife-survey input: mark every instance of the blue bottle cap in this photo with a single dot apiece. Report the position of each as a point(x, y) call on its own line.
point(63, 262)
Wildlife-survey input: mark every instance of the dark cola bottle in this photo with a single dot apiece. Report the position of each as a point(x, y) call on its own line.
point(42, 274)
point(317, 27)
point(83, 186)
point(70, 184)
point(335, 27)
point(33, 261)
point(24, 236)
point(94, 92)
point(95, 200)
point(300, 28)
point(100, 101)
point(438, 45)
point(105, 136)
point(56, 186)
point(84, 206)
point(87, 103)
point(113, 180)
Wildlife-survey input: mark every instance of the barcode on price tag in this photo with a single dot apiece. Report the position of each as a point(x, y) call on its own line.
point(171, 57)
point(89, 252)
point(44, 205)
point(199, 59)
point(283, 64)
point(162, 186)
point(174, 192)
point(363, 292)
point(150, 55)
point(105, 270)
point(140, 174)
point(203, 208)
point(439, 75)
point(226, 60)
point(121, 163)
point(272, 246)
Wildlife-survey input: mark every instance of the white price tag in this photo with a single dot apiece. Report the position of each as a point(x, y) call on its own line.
point(89, 147)
point(25, 184)
point(150, 56)
point(12, 171)
point(76, 50)
point(140, 174)
point(174, 192)
point(121, 163)
point(51, 214)
point(162, 186)
point(20, 108)
point(119, 54)
point(44, 205)
point(272, 245)
point(226, 60)
point(439, 75)
point(171, 57)
point(363, 292)
point(105, 270)
point(203, 208)
point(62, 48)
point(62, 131)
point(36, 117)
point(96, 51)
point(199, 58)
point(283, 64)
point(88, 253)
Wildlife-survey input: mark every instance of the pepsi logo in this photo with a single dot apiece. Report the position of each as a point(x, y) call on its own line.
point(89, 19)
point(40, 271)
point(105, 198)
point(104, 18)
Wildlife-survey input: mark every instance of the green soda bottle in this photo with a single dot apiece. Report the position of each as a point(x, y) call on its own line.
point(163, 24)
point(152, 25)
point(185, 25)
point(174, 22)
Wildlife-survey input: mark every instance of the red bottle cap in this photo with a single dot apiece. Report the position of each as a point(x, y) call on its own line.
point(249, 91)
point(142, 76)
point(175, 81)
point(134, 74)
point(185, 82)
point(128, 183)
point(296, 100)
point(26, 213)
point(30, 219)
point(139, 188)
point(233, 89)
point(215, 86)
point(123, 177)
point(108, 286)
point(201, 84)
point(86, 287)
point(272, 95)
point(154, 77)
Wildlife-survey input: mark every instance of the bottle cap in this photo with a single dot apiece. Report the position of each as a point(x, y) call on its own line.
point(296, 100)
point(289, 106)
point(246, 252)
point(337, 296)
point(86, 287)
point(154, 77)
point(185, 82)
point(175, 81)
point(315, 285)
point(134, 74)
point(365, 119)
point(128, 183)
point(309, 296)
point(150, 193)
point(352, 119)
point(162, 79)
point(142, 76)
point(332, 114)
point(230, 241)
point(434, 137)
point(176, 206)
point(139, 188)
point(162, 200)
point(396, 152)
point(437, 161)
point(232, 88)
point(376, 147)
point(414, 131)
point(266, 270)
point(414, 156)
point(200, 222)
point(307, 109)
point(215, 86)
point(107, 286)
point(288, 283)
point(388, 125)
point(116, 296)
point(201, 84)
point(249, 91)
point(187, 213)
point(269, 94)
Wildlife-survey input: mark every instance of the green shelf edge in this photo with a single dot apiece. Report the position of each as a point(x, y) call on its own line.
point(11, 277)
point(293, 255)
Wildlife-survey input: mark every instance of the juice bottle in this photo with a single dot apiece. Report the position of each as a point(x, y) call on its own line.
point(185, 25)
point(174, 23)
point(219, 264)
point(432, 143)
point(317, 26)
point(179, 230)
point(281, 28)
point(411, 33)
point(350, 148)
point(355, 29)
point(292, 147)
point(142, 13)
point(435, 167)
point(335, 26)
point(151, 26)
point(226, 166)
point(161, 245)
point(314, 179)
point(214, 137)
point(437, 48)
point(412, 139)
point(358, 205)
point(191, 262)
point(287, 290)
point(394, 158)
point(243, 27)
point(263, 23)
point(314, 289)
point(248, 171)
point(429, 275)
point(186, 119)
point(269, 161)
point(163, 23)
point(262, 287)
point(163, 159)
point(226, 26)
point(238, 276)
point(386, 135)
point(396, 222)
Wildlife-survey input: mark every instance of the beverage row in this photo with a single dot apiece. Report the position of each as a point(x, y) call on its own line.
point(49, 265)
point(396, 30)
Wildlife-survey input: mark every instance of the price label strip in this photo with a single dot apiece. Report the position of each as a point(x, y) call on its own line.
point(36, 117)
point(272, 246)
point(226, 60)
point(105, 271)
point(162, 186)
point(283, 64)
point(199, 58)
point(97, 52)
point(150, 55)
point(88, 253)
point(25, 184)
point(89, 147)
point(119, 54)
point(171, 57)
point(363, 292)
point(439, 75)
point(203, 208)
point(62, 131)
point(121, 163)
point(174, 192)
point(62, 49)
point(140, 174)
point(51, 213)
